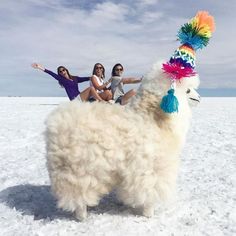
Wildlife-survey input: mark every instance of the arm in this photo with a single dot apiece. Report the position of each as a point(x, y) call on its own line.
point(131, 80)
point(82, 79)
point(97, 86)
point(42, 68)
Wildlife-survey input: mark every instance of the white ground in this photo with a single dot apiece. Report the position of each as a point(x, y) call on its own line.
point(206, 195)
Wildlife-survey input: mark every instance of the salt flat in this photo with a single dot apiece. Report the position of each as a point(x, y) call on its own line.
point(205, 202)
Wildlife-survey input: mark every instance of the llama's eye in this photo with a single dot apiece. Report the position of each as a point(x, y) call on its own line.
point(188, 91)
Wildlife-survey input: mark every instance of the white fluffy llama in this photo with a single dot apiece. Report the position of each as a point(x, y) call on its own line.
point(93, 148)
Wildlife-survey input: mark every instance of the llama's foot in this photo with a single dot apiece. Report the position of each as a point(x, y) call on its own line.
point(148, 211)
point(81, 213)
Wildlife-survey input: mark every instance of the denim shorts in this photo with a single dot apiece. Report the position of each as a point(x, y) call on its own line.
point(118, 100)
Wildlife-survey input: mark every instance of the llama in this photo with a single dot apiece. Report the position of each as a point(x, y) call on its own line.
point(93, 148)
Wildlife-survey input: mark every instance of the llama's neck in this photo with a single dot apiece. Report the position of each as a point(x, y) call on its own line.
point(147, 105)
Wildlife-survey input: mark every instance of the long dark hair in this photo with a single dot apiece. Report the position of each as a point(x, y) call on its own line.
point(103, 72)
point(113, 73)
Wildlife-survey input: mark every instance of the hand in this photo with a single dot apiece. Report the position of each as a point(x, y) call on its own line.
point(108, 82)
point(37, 66)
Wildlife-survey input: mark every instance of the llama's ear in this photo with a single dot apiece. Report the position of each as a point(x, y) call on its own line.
point(190, 82)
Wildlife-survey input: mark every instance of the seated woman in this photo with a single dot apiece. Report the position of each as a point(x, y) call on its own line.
point(70, 83)
point(117, 83)
point(97, 81)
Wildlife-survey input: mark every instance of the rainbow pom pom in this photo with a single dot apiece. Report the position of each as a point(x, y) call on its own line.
point(198, 31)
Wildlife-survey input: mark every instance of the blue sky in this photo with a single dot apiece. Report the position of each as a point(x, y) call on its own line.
point(77, 34)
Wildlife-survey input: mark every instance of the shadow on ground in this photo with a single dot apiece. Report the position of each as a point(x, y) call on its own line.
point(38, 201)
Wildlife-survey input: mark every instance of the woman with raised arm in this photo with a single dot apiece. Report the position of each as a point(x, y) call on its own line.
point(97, 81)
point(117, 83)
point(70, 83)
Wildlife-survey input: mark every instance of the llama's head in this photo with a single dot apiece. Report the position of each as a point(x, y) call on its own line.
point(189, 86)
point(157, 82)
point(176, 80)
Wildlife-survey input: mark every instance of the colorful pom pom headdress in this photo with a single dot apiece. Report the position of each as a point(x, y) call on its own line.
point(193, 35)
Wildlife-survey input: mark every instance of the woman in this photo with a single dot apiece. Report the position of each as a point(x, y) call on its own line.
point(97, 81)
point(117, 83)
point(70, 83)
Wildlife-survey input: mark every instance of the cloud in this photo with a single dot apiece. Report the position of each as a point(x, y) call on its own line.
point(110, 11)
point(147, 2)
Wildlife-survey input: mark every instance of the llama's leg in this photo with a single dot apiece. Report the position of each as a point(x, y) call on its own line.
point(148, 210)
point(139, 193)
point(81, 212)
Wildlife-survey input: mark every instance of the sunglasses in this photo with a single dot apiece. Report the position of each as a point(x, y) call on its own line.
point(99, 67)
point(118, 69)
point(60, 71)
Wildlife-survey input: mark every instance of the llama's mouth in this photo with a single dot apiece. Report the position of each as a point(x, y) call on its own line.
point(193, 102)
point(194, 99)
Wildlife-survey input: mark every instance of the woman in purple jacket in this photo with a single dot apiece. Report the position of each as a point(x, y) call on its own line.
point(70, 83)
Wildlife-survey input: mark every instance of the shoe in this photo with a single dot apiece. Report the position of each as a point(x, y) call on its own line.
point(111, 101)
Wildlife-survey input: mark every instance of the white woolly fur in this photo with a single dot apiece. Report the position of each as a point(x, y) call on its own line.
point(93, 148)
